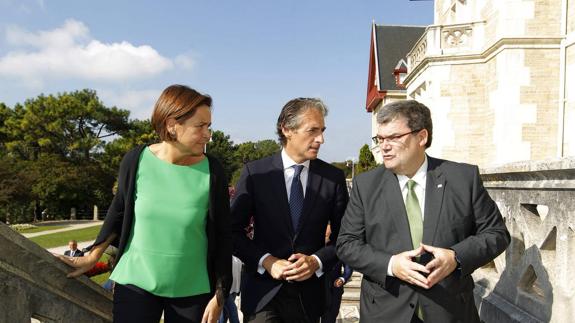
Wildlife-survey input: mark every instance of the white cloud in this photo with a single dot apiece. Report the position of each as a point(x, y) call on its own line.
point(139, 102)
point(185, 61)
point(70, 52)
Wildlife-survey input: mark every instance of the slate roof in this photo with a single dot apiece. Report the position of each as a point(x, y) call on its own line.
point(393, 43)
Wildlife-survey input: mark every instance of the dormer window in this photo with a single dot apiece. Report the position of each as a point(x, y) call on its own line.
point(400, 72)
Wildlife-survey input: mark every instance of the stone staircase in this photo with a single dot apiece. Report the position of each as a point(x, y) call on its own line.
point(34, 287)
point(349, 310)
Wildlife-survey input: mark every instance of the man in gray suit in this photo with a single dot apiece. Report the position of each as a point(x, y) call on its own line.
point(418, 227)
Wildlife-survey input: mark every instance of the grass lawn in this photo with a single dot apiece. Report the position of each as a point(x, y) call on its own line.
point(42, 228)
point(62, 238)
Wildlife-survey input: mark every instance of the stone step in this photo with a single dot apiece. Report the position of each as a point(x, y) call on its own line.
point(354, 282)
point(350, 296)
point(352, 291)
point(348, 314)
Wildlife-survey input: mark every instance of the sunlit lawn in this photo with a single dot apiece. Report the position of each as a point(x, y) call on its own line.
point(61, 238)
point(42, 228)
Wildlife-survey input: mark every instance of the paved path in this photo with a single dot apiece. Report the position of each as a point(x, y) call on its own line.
point(72, 225)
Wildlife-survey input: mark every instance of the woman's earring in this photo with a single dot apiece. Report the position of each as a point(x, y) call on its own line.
point(173, 134)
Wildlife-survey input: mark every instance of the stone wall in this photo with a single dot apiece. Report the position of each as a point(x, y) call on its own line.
point(33, 284)
point(571, 16)
point(542, 92)
point(533, 280)
point(569, 128)
point(467, 117)
point(495, 96)
point(545, 21)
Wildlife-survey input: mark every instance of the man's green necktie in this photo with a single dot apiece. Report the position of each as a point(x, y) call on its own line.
point(414, 214)
point(415, 223)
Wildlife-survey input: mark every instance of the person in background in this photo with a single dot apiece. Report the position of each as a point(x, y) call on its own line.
point(336, 278)
point(73, 250)
point(230, 309)
point(170, 221)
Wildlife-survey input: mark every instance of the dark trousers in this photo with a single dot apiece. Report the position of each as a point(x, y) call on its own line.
point(133, 304)
point(285, 307)
point(334, 301)
point(230, 311)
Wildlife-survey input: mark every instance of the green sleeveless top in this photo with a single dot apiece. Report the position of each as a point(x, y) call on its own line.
point(166, 253)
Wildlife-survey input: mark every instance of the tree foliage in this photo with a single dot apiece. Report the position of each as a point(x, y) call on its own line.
point(366, 160)
point(71, 125)
point(63, 151)
point(222, 148)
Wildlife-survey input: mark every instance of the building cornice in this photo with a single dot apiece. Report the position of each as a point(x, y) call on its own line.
point(486, 55)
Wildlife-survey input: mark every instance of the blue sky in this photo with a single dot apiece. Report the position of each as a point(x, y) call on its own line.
point(250, 56)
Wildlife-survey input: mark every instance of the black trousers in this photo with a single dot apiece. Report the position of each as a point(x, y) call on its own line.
point(133, 304)
point(285, 307)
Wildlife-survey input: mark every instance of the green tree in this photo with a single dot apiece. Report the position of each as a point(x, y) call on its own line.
point(248, 151)
point(366, 160)
point(5, 115)
point(344, 167)
point(56, 144)
point(138, 132)
point(72, 125)
point(15, 194)
point(222, 148)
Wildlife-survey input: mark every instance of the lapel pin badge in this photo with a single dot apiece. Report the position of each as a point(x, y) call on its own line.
point(439, 185)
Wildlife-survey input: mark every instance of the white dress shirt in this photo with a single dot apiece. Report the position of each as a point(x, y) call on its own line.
point(420, 178)
point(289, 172)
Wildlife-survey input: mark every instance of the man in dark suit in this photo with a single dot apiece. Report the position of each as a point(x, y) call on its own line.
point(73, 251)
point(335, 280)
point(292, 196)
point(418, 227)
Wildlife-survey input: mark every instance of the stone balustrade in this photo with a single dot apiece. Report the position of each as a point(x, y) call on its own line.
point(534, 279)
point(34, 287)
point(446, 40)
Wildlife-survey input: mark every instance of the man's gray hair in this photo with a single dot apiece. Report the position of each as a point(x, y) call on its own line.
point(290, 116)
point(416, 114)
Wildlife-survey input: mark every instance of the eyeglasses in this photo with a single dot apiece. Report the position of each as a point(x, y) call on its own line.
point(378, 140)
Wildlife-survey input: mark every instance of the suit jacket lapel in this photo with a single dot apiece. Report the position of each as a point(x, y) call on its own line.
point(434, 188)
point(314, 180)
point(277, 179)
point(396, 207)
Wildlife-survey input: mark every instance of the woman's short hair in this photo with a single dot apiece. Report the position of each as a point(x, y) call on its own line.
point(179, 102)
point(290, 117)
point(415, 113)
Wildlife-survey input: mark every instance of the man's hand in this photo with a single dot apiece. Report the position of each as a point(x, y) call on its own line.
point(212, 312)
point(276, 267)
point(441, 266)
point(338, 283)
point(404, 268)
point(303, 267)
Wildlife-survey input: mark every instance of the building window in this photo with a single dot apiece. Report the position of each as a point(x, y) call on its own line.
point(400, 72)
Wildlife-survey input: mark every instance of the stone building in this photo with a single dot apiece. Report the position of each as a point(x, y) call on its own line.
point(388, 68)
point(499, 77)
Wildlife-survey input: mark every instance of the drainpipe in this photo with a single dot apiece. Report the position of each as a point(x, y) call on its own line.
point(562, 80)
